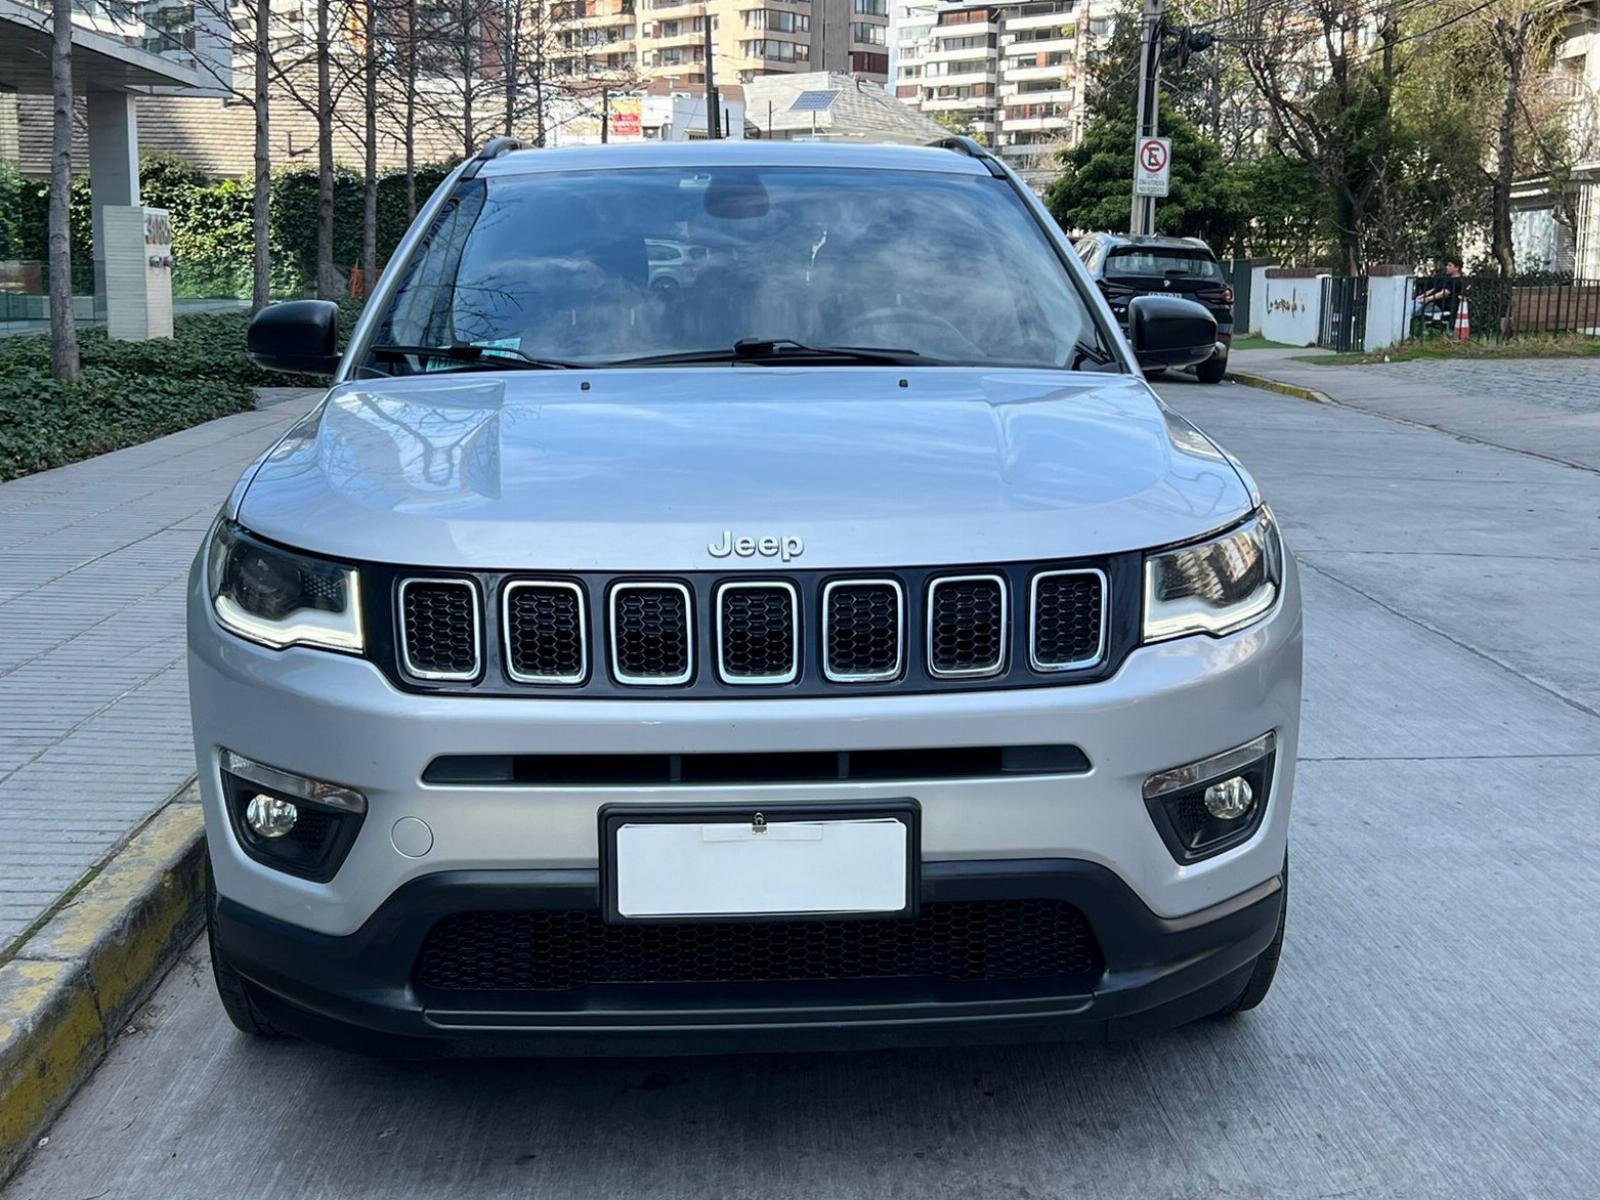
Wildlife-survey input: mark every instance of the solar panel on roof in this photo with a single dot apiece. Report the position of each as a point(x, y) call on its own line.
point(817, 101)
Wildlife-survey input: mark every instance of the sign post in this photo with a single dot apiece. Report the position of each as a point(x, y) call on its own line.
point(138, 273)
point(1152, 167)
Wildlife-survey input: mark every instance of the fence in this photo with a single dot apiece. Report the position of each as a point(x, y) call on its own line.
point(1343, 325)
point(1533, 305)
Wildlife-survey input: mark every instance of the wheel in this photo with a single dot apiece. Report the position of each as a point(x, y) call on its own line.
point(231, 987)
point(1213, 369)
point(1260, 982)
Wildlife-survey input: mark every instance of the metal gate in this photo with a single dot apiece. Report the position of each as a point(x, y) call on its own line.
point(1343, 327)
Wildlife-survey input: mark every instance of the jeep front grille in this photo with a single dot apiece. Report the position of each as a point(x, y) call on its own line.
point(439, 628)
point(758, 633)
point(545, 631)
point(708, 634)
point(652, 637)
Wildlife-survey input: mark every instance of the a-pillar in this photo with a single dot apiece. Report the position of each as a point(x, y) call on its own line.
point(113, 170)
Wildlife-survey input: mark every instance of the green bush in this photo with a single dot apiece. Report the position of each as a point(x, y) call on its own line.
point(129, 392)
point(212, 239)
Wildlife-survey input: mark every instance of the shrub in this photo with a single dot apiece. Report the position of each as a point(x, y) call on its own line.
point(129, 392)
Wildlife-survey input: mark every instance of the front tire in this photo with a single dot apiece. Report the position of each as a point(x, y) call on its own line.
point(231, 987)
point(1213, 369)
point(1260, 982)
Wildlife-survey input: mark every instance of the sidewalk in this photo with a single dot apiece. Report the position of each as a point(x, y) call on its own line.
point(1549, 407)
point(94, 716)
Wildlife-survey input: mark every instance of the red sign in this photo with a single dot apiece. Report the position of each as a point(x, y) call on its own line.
point(1153, 154)
point(625, 124)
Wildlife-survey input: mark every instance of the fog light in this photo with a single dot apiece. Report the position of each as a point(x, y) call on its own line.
point(1230, 799)
point(270, 817)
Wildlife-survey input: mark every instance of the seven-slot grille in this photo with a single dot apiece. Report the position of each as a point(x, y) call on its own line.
point(1069, 619)
point(1000, 627)
point(863, 630)
point(546, 632)
point(967, 625)
point(439, 628)
point(652, 633)
point(758, 633)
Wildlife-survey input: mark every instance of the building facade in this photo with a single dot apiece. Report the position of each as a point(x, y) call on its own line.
point(637, 41)
point(1012, 75)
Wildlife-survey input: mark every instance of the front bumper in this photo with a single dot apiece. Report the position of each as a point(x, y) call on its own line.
point(359, 991)
point(1176, 937)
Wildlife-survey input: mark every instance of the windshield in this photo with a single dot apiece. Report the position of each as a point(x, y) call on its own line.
point(1196, 264)
point(596, 268)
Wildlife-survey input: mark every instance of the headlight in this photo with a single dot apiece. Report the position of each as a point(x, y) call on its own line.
point(279, 598)
point(1215, 586)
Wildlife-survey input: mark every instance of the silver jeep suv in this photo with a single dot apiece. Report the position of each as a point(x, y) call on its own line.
point(845, 647)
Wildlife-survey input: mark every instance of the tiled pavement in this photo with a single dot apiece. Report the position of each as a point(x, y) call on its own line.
point(94, 718)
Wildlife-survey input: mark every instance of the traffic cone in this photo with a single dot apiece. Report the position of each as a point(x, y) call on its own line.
point(1463, 321)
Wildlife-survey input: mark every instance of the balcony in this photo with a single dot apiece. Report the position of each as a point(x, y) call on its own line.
point(961, 104)
point(1043, 20)
point(1060, 45)
point(1016, 74)
point(965, 29)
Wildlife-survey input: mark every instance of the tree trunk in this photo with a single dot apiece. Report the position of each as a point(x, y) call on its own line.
point(411, 110)
point(261, 206)
point(508, 67)
point(1512, 40)
point(468, 49)
point(64, 362)
point(329, 285)
point(369, 177)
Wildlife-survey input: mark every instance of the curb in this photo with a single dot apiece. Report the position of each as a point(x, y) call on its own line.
point(1276, 385)
point(70, 988)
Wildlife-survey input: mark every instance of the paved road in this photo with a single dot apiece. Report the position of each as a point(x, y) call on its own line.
point(1545, 406)
point(1434, 1030)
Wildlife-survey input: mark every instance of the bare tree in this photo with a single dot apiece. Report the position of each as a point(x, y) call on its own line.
point(369, 176)
point(64, 360)
point(1326, 71)
point(329, 286)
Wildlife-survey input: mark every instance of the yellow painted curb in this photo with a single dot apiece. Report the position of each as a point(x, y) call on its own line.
point(72, 985)
point(1277, 385)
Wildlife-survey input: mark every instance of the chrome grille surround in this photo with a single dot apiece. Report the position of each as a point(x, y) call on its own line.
point(980, 669)
point(835, 676)
point(508, 627)
point(1048, 665)
point(778, 585)
point(614, 628)
point(407, 658)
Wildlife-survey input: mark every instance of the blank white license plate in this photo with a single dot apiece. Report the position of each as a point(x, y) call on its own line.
point(800, 867)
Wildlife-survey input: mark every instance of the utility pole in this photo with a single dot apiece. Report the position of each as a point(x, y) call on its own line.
point(1142, 217)
point(605, 114)
point(713, 100)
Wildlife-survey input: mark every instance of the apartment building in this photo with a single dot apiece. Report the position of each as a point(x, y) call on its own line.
point(636, 41)
point(1012, 74)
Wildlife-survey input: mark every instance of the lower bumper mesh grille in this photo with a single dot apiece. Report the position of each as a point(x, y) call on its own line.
point(563, 949)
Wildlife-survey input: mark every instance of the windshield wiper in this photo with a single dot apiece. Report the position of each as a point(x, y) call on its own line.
point(781, 350)
point(489, 357)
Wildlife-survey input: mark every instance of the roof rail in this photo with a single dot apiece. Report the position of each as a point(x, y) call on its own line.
point(972, 149)
point(492, 149)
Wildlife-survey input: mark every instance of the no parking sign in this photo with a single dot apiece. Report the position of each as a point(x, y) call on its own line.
point(1152, 166)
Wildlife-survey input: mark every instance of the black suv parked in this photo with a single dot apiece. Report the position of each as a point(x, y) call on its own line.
point(1125, 267)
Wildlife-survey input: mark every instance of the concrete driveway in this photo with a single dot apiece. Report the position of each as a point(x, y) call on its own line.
point(1433, 1032)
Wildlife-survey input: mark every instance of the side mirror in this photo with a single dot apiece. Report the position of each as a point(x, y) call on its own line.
point(1166, 331)
point(300, 336)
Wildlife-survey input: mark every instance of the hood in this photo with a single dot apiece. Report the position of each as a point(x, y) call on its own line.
point(655, 470)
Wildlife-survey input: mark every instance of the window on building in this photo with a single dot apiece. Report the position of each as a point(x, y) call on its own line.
point(871, 35)
point(876, 8)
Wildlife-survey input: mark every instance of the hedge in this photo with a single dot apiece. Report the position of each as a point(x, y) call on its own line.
point(129, 392)
point(211, 225)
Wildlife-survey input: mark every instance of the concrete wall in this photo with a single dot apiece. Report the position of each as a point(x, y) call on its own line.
point(1258, 297)
point(1293, 307)
point(1388, 310)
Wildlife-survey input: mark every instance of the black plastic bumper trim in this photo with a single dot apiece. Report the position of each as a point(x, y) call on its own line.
point(356, 991)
